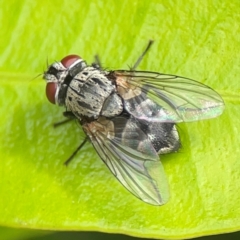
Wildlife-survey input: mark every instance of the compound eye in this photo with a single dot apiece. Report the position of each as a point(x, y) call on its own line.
point(51, 89)
point(69, 60)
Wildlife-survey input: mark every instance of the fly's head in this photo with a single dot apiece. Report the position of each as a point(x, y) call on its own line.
point(59, 75)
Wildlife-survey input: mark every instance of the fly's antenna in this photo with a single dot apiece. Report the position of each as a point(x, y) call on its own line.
point(40, 74)
point(47, 62)
point(142, 55)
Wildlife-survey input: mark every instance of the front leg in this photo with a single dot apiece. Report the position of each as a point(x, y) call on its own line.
point(69, 115)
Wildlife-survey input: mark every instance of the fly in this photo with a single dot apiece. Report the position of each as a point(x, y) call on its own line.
point(129, 116)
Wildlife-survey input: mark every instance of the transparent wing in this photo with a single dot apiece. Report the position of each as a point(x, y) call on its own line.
point(130, 156)
point(160, 97)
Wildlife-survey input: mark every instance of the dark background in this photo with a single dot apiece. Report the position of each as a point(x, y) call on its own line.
point(101, 236)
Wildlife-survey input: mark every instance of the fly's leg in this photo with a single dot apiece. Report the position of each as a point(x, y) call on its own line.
point(97, 64)
point(142, 55)
point(75, 152)
point(57, 124)
point(69, 115)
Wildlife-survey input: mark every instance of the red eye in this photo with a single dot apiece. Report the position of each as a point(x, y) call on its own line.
point(69, 60)
point(51, 89)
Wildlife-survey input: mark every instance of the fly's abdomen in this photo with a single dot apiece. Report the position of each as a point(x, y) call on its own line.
point(88, 92)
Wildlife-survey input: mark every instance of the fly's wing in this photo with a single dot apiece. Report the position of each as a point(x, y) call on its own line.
point(160, 97)
point(130, 156)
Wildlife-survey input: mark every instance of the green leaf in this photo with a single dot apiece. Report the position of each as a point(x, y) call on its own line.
point(195, 39)
point(23, 234)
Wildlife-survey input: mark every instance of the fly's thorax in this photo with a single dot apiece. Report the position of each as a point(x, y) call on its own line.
point(91, 94)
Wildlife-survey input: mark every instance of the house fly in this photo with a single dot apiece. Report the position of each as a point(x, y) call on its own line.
point(129, 116)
